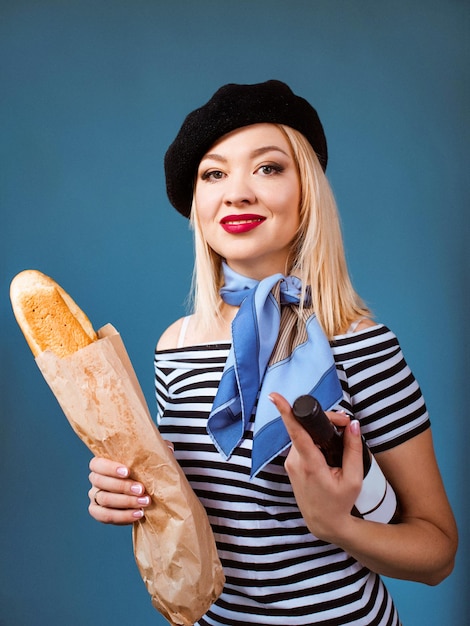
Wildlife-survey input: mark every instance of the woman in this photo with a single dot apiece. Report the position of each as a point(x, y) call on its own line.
point(248, 169)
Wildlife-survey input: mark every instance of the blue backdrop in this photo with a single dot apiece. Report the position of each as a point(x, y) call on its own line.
point(92, 93)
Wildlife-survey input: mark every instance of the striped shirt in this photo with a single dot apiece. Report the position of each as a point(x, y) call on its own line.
point(277, 572)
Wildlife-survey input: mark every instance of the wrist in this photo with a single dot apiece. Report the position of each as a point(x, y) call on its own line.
point(347, 534)
point(340, 533)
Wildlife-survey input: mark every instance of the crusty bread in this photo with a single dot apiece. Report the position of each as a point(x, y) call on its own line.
point(47, 315)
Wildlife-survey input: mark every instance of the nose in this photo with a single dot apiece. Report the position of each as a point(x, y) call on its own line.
point(239, 191)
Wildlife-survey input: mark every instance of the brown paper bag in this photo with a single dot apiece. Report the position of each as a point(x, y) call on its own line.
point(173, 544)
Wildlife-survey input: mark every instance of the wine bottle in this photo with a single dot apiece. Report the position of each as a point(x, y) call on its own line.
point(376, 501)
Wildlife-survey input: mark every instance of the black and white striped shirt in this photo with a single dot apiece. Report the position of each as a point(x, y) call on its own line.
point(277, 572)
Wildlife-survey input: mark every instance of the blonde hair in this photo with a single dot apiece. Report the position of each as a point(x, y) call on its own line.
point(318, 256)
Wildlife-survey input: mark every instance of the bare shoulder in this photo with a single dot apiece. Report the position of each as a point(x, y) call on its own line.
point(365, 322)
point(186, 332)
point(169, 338)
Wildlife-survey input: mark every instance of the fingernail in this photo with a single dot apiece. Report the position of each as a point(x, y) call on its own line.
point(138, 514)
point(145, 500)
point(122, 471)
point(271, 398)
point(355, 427)
point(137, 489)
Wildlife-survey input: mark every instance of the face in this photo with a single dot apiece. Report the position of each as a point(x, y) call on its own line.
point(247, 199)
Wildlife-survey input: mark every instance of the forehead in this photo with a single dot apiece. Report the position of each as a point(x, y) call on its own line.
point(251, 137)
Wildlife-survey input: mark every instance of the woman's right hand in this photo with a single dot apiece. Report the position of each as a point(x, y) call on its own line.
point(114, 497)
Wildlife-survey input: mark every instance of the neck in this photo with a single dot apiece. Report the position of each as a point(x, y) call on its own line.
point(220, 330)
point(258, 272)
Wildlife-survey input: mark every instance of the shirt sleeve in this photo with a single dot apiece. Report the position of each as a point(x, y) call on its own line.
point(379, 388)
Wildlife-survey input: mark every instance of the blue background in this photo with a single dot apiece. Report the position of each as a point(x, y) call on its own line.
point(91, 95)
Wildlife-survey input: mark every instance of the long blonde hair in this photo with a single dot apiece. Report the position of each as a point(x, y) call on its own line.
point(318, 256)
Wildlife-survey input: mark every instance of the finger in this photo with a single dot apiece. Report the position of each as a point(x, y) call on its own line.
point(294, 429)
point(119, 517)
point(121, 486)
point(108, 467)
point(112, 476)
point(106, 499)
point(338, 418)
point(353, 466)
point(301, 440)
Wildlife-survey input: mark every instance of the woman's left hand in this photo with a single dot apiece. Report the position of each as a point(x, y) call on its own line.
point(325, 495)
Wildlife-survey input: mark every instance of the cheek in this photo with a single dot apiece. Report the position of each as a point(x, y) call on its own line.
point(286, 196)
point(206, 224)
point(288, 205)
point(206, 202)
point(201, 208)
point(198, 198)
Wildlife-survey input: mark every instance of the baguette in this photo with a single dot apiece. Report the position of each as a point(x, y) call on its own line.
point(48, 317)
point(100, 395)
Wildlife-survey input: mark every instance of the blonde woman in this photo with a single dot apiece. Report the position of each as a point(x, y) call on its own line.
point(275, 315)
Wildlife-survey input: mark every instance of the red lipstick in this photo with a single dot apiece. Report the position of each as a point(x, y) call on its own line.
point(235, 224)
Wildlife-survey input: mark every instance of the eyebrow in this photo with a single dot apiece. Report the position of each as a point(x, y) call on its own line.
point(258, 152)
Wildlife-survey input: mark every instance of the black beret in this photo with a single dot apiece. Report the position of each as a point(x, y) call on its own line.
point(231, 107)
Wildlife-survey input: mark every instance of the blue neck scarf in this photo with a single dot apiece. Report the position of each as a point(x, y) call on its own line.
point(276, 346)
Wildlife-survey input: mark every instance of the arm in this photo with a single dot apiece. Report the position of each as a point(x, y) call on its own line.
point(421, 547)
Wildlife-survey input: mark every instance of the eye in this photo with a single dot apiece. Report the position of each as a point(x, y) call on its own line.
point(270, 169)
point(212, 175)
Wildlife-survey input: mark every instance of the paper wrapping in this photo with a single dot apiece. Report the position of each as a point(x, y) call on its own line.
point(173, 544)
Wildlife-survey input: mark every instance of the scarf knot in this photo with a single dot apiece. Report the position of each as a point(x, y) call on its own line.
point(276, 346)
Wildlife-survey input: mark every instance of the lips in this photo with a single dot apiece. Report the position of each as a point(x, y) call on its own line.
point(235, 224)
